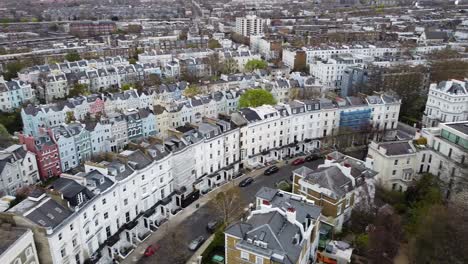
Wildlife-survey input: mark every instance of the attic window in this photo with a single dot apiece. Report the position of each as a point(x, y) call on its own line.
point(42, 222)
point(58, 210)
point(51, 216)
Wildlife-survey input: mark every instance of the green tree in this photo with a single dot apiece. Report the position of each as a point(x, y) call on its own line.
point(255, 64)
point(78, 89)
point(256, 97)
point(192, 91)
point(441, 237)
point(132, 61)
point(126, 87)
point(12, 70)
point(5, 137)
point(4, 132)
point(213, 44)
point(73, 56)
point(70, 117)
point(11, 121)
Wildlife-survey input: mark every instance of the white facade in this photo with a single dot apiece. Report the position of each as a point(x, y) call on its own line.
point(396, 163)
point(18, 168)
point(251, 25)
point(446, 102)
point(370, 50)
point(20, 246)
point(330, 72)
point(15, 93)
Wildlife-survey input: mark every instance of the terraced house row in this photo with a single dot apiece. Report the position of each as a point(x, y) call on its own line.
point(54, 81)
point(106, 208)
point(85, 107)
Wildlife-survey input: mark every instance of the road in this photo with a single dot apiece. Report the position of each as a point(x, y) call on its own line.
point(195, 224)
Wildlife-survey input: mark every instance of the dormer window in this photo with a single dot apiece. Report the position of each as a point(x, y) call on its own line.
point(80, 198)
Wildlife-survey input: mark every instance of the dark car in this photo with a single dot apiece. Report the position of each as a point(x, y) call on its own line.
point(312, 157)
point(271, 170)
point(245, 182)
point(196, 243)
point(212, 225)
point(298, 161)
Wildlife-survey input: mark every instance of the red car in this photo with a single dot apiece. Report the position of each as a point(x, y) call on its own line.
point(150, 250)
point(298, 161)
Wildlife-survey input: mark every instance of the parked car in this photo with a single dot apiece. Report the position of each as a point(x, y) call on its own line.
point(271, 170)
point(150, 250)
point(298, 161)
point(212, 225)
point(312, 157)
point(196, 243)
point(245, 182)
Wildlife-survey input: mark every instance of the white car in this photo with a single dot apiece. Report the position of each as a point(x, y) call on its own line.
point(196, 243)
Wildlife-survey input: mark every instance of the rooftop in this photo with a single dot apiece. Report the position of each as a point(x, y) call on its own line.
point(9, 236)
point(460, 127)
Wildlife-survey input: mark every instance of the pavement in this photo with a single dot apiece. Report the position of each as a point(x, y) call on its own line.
point(192, 220)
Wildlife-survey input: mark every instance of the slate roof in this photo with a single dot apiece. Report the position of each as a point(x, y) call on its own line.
point(397, 148)
point(49, 214)
point(250, 114)
point(273, 229)
point(70, 190)
point(436, 35)
point(9, 237)
point(330, 178)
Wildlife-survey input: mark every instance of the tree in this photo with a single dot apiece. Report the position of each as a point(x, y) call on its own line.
point(183, 35)
point(73, 56)
point(70, 117)
point(229, 66)
point(384, 239)
point(255, 64)
point(406, 82)
point(441, 237)
point(5, 137)
point(153, 80)
point(12, 70)
point(214, 63)
point(126, 87)
point(256, 97)
point(192, 91)
point(134, 28)
point(132, 61)
point(213, 44)
point(11, 121)
point(4, 132)
point(78, 89)
point(443, 70)
point(228, 204)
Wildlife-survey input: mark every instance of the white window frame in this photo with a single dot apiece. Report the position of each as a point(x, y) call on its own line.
point(245, 255)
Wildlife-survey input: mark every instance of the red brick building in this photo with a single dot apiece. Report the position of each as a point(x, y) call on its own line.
point(92, 28)
point(47, 154)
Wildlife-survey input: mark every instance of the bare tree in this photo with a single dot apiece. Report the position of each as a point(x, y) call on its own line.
point(229, 66)
point(384, 239)
point(214, 64)
point(229, 204)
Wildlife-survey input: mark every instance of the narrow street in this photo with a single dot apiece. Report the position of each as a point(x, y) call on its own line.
point(191, 223)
